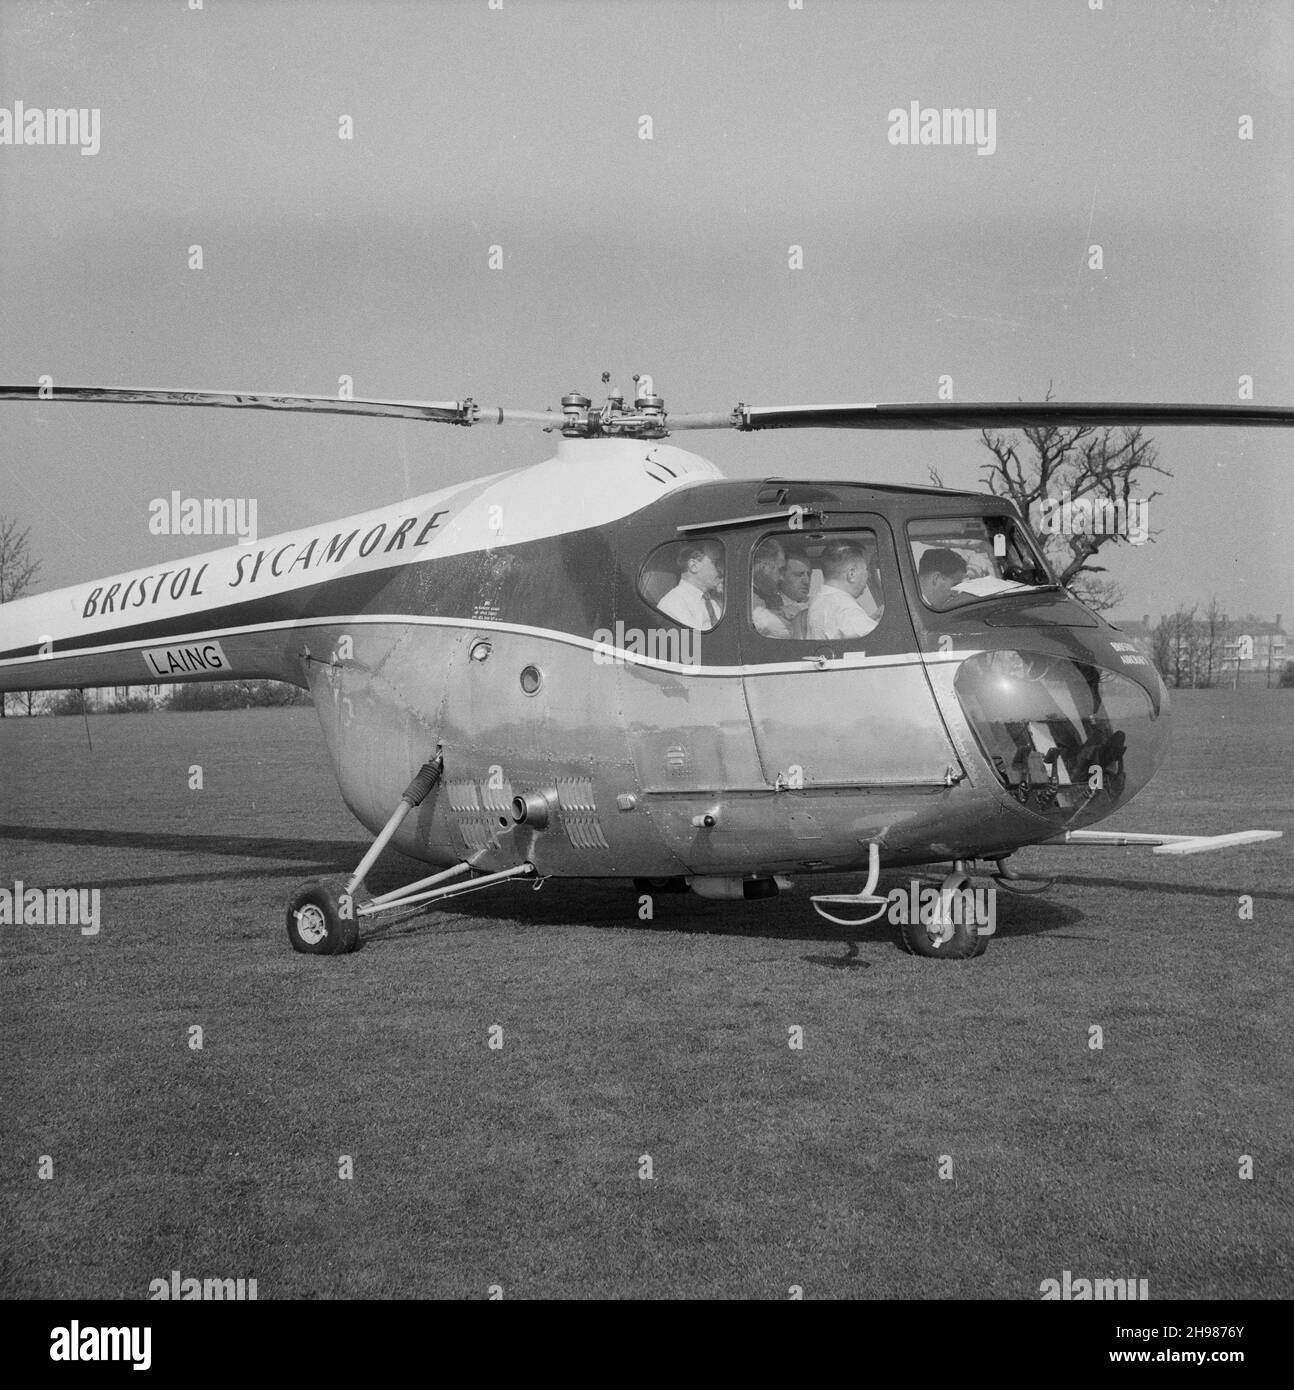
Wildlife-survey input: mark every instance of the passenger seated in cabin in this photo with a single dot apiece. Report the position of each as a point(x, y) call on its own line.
point(695, 601)
point(797, 579)
point(766, 567)
point(834, 612)
point(939, 571)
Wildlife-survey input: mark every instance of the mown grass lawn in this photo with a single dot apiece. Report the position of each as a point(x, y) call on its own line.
point(520, 1167)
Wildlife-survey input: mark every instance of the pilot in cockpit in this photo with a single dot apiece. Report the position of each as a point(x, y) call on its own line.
point(939, 571)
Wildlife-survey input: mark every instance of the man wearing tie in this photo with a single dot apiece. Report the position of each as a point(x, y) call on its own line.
point(694, 601)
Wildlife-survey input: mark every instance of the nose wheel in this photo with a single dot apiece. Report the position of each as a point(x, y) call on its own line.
point(952, 932)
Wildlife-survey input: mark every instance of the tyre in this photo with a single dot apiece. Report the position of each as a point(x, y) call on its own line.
point(951, 935)
point(322, 921)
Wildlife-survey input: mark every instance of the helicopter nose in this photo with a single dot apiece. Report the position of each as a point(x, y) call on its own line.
point(1070, 740)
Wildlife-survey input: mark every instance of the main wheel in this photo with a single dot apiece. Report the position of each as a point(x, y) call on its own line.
point(952, 935)
point(322, 921)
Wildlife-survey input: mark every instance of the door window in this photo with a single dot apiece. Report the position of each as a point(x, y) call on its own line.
point(827, 587)
point(684, 580)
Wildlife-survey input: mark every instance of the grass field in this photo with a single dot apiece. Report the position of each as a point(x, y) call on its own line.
point(520, 1167)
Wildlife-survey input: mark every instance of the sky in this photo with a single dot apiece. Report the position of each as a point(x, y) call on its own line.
point(519, 126)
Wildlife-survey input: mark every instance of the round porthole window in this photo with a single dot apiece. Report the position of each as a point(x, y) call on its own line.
point(531, 679)
point(479, 650)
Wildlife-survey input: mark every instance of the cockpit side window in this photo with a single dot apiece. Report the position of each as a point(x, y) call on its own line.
point(684, 580)
point(816, 587)
point(961, 559)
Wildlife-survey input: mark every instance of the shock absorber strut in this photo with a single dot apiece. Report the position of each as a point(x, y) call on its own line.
point(414, 795)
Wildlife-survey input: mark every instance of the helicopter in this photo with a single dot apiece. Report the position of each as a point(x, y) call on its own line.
point(583, 667)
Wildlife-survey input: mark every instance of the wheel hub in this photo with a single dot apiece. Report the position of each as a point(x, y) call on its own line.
point(311, 924)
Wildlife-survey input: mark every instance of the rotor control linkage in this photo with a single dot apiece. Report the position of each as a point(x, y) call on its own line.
point(414, 795)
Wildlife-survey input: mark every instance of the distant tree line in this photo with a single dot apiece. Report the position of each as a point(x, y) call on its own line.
point(214, 695)
point(17, 570)
point(1198, 650)
point(241, 694)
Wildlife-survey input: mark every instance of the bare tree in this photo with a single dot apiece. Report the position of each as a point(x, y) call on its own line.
point(17, 570)
point(1184, 646)
point(1212, 644)
point(1161, 646)
point(1086, 462)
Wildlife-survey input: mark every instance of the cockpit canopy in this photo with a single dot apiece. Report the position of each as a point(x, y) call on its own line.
point(833, 584)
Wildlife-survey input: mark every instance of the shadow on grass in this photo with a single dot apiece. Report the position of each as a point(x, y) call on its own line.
point(610, 904)
point(593, 903)
point(849, 961)
point(346, 852)
point(304, 858)
point(1194, 890)
point(341, 856)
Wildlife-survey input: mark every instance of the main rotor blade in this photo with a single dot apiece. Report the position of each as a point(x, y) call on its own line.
point(929, 415)
point(464, 412)
point(954, 415)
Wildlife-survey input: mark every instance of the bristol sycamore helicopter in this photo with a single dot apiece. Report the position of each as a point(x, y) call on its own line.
point(594, 667)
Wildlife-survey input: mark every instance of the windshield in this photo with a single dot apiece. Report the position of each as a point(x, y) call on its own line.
point(960, 559)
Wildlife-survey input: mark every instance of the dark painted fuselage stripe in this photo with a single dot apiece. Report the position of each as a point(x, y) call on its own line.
point(534, 583)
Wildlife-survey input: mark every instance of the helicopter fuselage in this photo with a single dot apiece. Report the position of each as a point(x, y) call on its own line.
point(511, 625)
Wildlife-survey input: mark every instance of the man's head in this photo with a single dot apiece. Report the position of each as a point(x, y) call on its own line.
point(939, 570)
point(766, 568)
point(700, 564)
point(796, 578)
point(844, 566)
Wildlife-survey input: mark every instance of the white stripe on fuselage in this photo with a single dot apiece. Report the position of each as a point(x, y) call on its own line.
point(589, 483)
point(849, 661)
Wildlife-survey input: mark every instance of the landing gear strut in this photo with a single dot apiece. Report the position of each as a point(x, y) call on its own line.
point(323, 919)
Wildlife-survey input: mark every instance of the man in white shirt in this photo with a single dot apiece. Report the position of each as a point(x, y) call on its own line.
point(694, 601)
point(834, 613)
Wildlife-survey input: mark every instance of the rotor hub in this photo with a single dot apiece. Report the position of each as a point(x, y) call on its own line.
point(646, 419)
